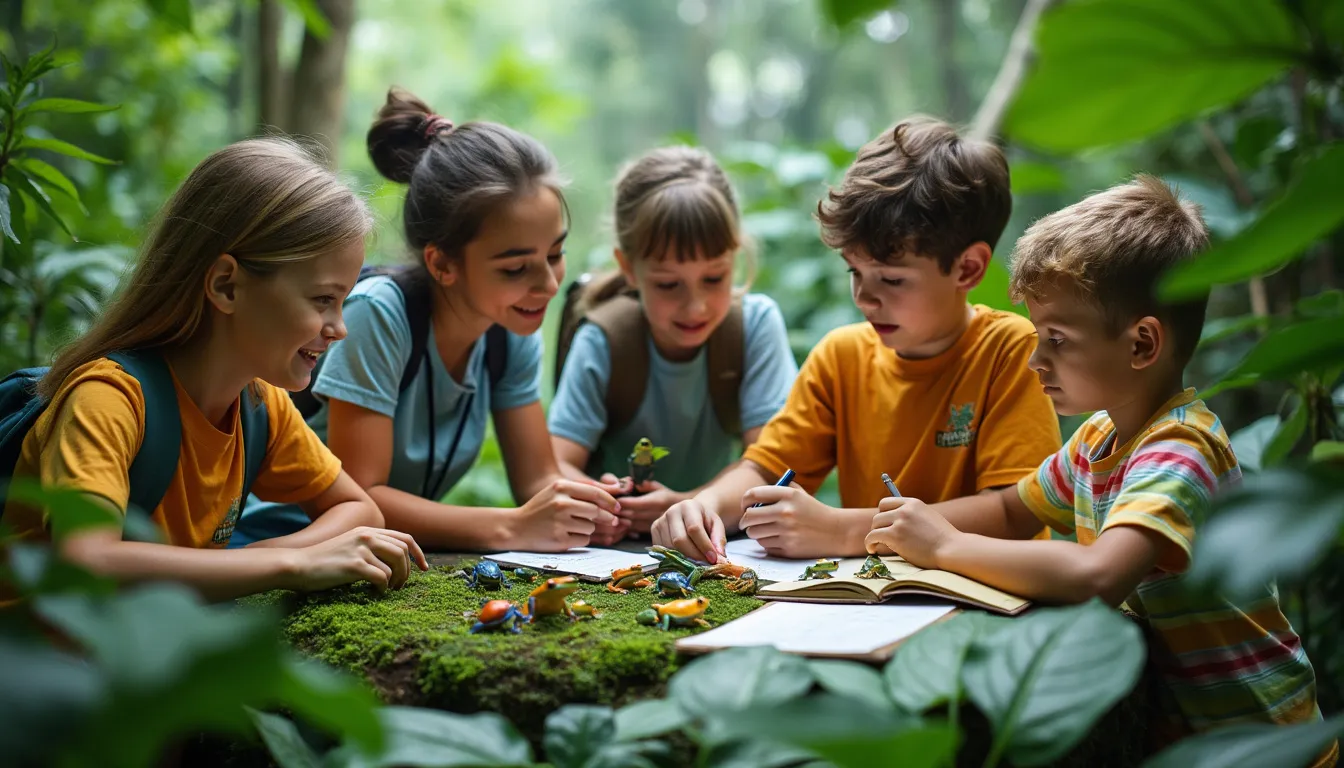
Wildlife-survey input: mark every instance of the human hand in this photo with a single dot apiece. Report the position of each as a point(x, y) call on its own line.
point(692, 529)
point(791, 523)
point(563, 515)
point(382, 557)
point(907, 527)
point(654, 500)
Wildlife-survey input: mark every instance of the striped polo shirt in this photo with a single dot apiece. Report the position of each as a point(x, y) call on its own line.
point(1224, 662)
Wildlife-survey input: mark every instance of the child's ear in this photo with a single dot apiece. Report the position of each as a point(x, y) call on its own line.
point(1147, 339)
point(221, 283)
point(441, 268)
point(623, 262)
point(969, 268)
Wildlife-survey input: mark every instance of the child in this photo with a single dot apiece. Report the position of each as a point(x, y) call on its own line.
point(485, 217)
point(1134, 478)
point(930, 389)
point(239, 289)
point(677, 233)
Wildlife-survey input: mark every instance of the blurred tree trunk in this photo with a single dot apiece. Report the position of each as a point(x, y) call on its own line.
point(317, 90)
point(956, 97)
point(270, 75)
point(989, 118)
point(233, 89)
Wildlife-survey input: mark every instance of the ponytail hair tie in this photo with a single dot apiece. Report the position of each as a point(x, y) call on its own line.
point(435, 124)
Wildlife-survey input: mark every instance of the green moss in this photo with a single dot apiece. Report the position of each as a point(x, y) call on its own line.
point(413, 645)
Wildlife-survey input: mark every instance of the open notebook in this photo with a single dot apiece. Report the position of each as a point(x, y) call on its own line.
point(907, 579)
point(587, 563)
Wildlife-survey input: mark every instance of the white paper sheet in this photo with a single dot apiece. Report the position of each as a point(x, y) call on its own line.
point(588, 563)
point(820, 629)
point(749, 553)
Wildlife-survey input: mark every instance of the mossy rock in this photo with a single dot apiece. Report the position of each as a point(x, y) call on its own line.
point(413, 645)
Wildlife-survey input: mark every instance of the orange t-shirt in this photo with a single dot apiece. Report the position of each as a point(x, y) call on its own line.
point(88, 436)
point(972, 418)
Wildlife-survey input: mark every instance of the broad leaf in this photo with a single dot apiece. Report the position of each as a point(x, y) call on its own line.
point(1275, 525)
point(756, 753)
point(575, 733)
point(1328, 451)
point(5, 216)
point(738, 679)
point(1046, 678)
point(68, 106)
point(926, 746)
point(283, 741)
point(1111, 71)
point(1288, 434)
point(652, 717)
point(1311, 208)
point(925, 672)
point(1249, 442)
point(1288, 351)
point(36, 570)
point(63, 148)
point(842, 13)
point(68, 511)
point(1033, 178)
point(425, 737)
point(856, 681)
point(48, 697)
point(331, 699)
point(1252, 746)
point(1220, 328)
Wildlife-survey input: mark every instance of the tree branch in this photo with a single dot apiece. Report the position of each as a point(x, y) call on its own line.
point(1244, 198)
point(1006, 83)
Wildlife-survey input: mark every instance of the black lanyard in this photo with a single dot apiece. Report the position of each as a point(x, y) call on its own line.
point(425, 488)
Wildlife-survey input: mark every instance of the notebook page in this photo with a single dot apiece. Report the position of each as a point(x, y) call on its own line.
point(822, 629)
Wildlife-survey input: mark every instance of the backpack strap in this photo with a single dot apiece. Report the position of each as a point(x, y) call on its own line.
point(570, 320)
point(154, 466)
point(496, 353)
point(255, 422)
point(725, 359)
point(419, 297)
point(622, 320)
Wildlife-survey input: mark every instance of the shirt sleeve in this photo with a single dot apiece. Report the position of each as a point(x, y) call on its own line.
point(1019, 429)
point(1169, 482)
point(365, 368)
point(521, 383)
point(298, 466)
point(802, 436)
point(579, 409)
point(94, 437)
point(770, 367)
point(1049, 491)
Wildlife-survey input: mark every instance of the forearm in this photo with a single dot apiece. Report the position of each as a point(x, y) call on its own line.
point(1048, 571)
point(990, 514)
point(442, 526)
point(330, 524)
point(218, 574)
point(723, 496)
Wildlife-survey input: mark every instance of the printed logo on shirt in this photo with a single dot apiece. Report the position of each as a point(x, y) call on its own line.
point(958, 432)
point(226, 526)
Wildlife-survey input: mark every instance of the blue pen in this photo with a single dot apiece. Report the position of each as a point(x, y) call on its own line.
point(886, 480)
point(783, 480)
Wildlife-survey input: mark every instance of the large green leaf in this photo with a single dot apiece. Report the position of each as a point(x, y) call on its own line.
point(1327, 451)
point(283, 741)
point(740, 678)
point(68, 511)
point(425, 737)
point(1045, 679)
point(5, 216)
point(1033, 178)
point(175, 666)
point(842, 13)
point(1311, 208)
point(1252, 746)
point(1287, 436)
point(36, 570)
point(63, 148)
point(48, 697)
point(926, 670)
point(1249, 442)
point(848, 678)
point(1274, 525)
point(68, 106)
point(652, 717)
point(1292, 349)
point(755, 753)
point(927, 746)
point(1110, 71)
point(576, 733)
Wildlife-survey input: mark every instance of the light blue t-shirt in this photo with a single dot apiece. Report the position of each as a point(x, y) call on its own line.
point(365, 369)
point(676, 412)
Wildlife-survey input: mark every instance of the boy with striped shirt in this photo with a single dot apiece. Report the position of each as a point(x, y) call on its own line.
point(1124, 494)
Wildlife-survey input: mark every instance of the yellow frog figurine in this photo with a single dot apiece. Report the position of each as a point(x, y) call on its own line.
point(678, 613)
point(548, 599)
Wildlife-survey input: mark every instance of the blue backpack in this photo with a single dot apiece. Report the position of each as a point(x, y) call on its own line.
point(153, 468)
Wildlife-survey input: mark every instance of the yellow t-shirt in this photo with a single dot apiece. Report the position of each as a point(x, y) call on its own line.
point(88, 436)
point(972, 418)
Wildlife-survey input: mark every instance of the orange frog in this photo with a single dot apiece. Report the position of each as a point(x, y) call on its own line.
point(625, 579)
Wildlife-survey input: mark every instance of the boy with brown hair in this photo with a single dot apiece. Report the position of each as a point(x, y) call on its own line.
point(932, 390)
point(1132, 481)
